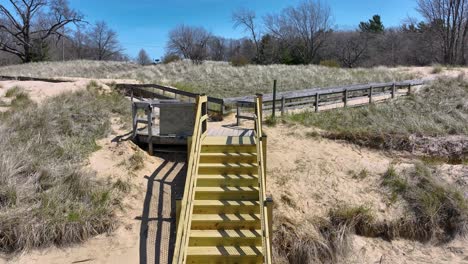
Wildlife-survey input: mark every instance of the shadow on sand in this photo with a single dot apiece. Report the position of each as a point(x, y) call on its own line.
point(158, 223)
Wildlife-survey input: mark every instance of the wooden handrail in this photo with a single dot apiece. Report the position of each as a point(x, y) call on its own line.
point(262, 181)
point(183, 228)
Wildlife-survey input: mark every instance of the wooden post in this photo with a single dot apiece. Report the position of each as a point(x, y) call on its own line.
point(393, 90)
point(371, 89)
point(274, 99)
point(238, 115)
point(134, 121)
point(204, 111)
point(264, 145)
point(409, 89)
point(260, 96)
point(345, 98)
point(131, 94)
point(269, 204)
point(283, 105)
point(149, 113)
point(317, 100)
point(189, 146)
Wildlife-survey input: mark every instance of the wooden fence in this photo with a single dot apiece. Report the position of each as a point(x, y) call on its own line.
point(152, 91)
point(318, 98)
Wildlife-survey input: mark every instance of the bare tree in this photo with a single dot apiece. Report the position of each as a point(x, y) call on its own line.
point(350, 47)
point(32, 22)
point(246, 19)
point(450, 21)
point(189, 42)
point(143, 58)
point(104, 42)
point(217, 48)
point(79, 40)
point(307, 25)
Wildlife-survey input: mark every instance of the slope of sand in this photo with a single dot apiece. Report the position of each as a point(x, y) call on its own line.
point(317, 174)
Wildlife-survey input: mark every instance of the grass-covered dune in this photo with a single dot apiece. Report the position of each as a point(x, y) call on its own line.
point(218, 79)
point(46, 197)
point(440, 110)
point(79, 68)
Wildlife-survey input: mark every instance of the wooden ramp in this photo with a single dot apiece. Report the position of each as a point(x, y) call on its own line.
point(225, 216)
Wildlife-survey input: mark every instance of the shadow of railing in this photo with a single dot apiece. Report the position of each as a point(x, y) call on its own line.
point(168, 177)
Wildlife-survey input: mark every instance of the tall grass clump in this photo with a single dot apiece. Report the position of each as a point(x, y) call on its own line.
point(46, 197)
point(437, 69)
point(12, 92)
point(437, 211)
point(310, 241)
point(440, 109)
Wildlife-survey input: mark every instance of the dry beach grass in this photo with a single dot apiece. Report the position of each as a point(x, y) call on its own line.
point(46, 196)
point(219, 79)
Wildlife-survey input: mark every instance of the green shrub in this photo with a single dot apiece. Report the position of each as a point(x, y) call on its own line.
point(170, 58)
point(330, 63)
point(437, 69)
point(239, 61)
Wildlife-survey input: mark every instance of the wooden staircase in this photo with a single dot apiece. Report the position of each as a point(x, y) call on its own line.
point(226, 213)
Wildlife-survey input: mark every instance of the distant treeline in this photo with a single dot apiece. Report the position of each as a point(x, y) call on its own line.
point(40, 30)
point(304, 34)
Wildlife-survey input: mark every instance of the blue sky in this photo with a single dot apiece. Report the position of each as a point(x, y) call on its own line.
point(146, 23)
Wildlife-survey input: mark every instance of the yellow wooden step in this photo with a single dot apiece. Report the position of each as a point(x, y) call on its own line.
point(226, 193)
point(227, 168)
point(212, 180)
point(226, 207)
point(229, 144)
point(227, 255)
point(225, 221)
point(229, 237)
point(229, 140)
point(228, 157)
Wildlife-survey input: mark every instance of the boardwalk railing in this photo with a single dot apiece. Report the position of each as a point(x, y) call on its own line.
point(153, 91)
point(264, 210)
point(322, 97)
point(183, 227)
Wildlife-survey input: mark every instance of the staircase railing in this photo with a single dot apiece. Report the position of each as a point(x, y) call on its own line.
point(266, 243)
point(199, 134)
